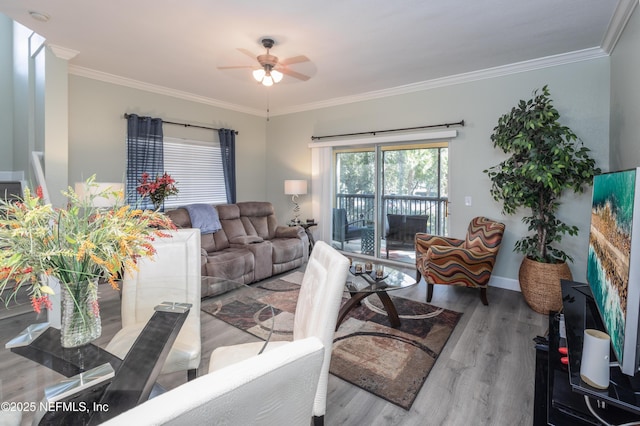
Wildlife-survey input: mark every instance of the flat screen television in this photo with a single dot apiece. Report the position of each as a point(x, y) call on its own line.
point(613, 267)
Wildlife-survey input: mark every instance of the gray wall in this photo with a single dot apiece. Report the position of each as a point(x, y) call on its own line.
point(98, 130)
point(625, 98)
point(580, 92)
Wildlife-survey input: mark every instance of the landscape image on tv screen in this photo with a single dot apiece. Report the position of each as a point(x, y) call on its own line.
point(610, 249)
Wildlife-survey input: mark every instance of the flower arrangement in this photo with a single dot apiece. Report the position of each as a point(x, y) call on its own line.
point(79, 244)
point(157, 189)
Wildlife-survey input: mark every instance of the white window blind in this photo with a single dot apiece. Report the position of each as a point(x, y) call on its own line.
point(197, 168)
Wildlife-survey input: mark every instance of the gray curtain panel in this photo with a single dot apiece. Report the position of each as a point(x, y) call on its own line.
point(228, 149)
point(144, 154)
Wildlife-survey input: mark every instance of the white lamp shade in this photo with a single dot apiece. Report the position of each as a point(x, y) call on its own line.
point(84, 192)
point(295, 187)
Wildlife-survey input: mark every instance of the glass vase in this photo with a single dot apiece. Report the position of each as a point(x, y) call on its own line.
point(80, 323)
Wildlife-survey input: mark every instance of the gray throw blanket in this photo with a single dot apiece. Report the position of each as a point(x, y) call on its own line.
point(204, 217)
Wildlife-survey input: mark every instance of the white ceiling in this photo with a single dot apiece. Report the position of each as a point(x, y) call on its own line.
point(357, 48)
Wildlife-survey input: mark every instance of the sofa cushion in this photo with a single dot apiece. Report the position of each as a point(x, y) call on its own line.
point(236, 264)
point(286, 250)
point(180, 217)
point(231, 224)
point(246, 239)
point(215, 242)
point(258, 218)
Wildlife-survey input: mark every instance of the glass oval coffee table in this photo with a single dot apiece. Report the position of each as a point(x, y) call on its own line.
point(362, 285)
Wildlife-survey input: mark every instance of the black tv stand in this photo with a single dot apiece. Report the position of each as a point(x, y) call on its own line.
point(560, 392)
point(584, 289)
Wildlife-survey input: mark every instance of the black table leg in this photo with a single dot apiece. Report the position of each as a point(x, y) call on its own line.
point(392, 313)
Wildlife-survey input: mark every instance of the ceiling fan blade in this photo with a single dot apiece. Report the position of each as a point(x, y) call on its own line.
point(294, 74)
point(248, 53)
point(235, 67)
point(294, 60)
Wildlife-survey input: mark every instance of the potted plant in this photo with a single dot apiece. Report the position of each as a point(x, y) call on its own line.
point(78, 246)
point(157, 189)
point(546, 158)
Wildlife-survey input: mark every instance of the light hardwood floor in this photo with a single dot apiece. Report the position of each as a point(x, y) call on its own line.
point(484, 376)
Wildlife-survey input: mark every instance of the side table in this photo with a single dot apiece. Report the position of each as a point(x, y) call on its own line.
point(306, 226)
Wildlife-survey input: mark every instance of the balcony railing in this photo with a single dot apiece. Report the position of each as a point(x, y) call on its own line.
point(361, 207)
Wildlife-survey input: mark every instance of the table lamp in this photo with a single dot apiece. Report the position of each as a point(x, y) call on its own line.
point(295, 188)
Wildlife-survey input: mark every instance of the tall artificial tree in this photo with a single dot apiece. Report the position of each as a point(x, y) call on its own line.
point(546, 158)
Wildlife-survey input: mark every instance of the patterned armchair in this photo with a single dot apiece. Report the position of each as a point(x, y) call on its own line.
point(468, 262)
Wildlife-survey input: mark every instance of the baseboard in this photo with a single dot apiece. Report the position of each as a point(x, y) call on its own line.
point(506, 283)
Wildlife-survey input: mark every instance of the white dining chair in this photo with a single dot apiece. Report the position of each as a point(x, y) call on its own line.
point(316, 315)
point(171, 275)
point(272, 389)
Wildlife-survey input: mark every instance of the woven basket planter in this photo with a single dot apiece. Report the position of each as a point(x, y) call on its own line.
point(540, 284)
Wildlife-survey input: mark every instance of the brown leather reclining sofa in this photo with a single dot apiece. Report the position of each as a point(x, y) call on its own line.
point(251, 246)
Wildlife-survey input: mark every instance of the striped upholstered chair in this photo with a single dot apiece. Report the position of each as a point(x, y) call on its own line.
point(468, 262)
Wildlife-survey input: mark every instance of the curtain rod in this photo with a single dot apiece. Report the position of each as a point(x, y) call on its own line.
point(374, 132)
point(187, 125)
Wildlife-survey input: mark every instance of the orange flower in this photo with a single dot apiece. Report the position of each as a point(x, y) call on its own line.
point(78, 244)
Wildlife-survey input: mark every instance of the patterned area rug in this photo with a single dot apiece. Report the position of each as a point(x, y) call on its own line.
point(390, 363)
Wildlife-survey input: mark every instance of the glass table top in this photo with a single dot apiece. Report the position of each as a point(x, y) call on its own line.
point(379, 278)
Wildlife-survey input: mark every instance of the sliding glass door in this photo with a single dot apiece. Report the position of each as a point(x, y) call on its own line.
point(384, 194)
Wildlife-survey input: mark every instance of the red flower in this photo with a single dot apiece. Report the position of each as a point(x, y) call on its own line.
point(40, 302)
point(157, 189)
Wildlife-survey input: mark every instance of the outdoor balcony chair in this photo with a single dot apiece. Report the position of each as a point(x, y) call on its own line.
point(402, 230)
point(345, 231)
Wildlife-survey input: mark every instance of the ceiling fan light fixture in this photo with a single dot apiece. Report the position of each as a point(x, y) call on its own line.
point(276, 76)
point(267, 81)
point(259, 74)
point(267, 74)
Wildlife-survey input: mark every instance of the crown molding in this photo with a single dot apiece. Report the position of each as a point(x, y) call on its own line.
point(619, 20)
point(161, 90)
point(518, 67)
point(620, 17)
point(63, 52)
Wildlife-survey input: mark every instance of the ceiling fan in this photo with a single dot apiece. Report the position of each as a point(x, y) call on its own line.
point(271, 69)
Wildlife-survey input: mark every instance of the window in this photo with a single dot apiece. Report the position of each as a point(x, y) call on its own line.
point(197, 168)
point(387, 193)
